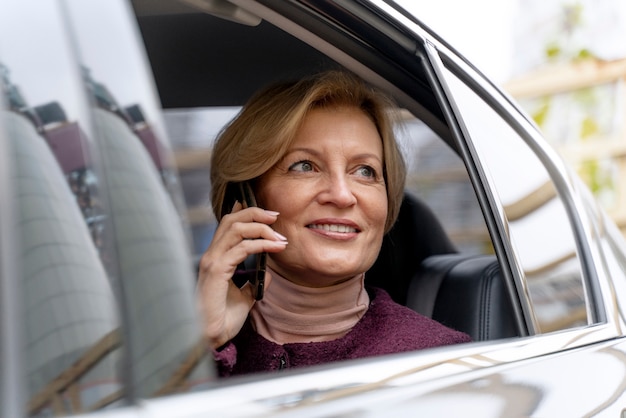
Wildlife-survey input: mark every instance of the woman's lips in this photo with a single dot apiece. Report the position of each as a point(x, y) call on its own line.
point(341, 228)
point(335, 228)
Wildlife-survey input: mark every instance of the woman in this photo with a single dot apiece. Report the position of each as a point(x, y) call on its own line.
point(329, 178)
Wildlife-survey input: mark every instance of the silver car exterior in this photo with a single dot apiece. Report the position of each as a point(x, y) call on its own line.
point(80, 335)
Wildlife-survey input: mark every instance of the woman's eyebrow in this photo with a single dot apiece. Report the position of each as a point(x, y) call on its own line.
point(314, 152)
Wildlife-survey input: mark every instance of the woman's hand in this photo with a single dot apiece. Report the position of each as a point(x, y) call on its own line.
point(223, 305)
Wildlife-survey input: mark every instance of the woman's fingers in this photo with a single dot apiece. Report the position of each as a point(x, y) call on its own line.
point(244, 232)
point(224, 263)
point(253, 214)
point(240, 234)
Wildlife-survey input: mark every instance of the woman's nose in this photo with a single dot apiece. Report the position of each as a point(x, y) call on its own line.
point(338, 191)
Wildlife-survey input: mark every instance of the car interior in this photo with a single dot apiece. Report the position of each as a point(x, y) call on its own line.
point(200, 59)
point(420, 268)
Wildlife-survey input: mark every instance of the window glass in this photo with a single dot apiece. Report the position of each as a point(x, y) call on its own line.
point(192, 132)
point(437, 175)
point(149, 234)
point(107, 284)
point(535, 215)
point(69, 316)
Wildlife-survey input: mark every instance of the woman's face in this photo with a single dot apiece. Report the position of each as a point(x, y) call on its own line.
point(332, 198)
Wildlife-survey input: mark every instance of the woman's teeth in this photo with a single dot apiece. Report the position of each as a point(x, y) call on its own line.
point(333, 228)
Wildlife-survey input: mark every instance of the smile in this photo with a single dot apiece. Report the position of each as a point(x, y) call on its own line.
point(333, 228)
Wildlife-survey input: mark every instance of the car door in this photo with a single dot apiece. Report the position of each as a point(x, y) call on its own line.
point(148, 300)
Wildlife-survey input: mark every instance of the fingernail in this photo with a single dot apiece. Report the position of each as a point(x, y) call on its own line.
point(272, 213)
point(280, 237)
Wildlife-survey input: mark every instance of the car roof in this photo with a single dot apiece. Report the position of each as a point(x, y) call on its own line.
point(200, 60)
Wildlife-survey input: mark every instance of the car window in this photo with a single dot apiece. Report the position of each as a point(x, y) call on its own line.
point(154, 271)
point(192, 132)
point(535, 215)
point(107, 308)
point(68, 307)
point(437, 175)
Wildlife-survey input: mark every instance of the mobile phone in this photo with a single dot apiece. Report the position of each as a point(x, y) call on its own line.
point(258, 279)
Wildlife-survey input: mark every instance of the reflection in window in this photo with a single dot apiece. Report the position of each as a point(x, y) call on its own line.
point(79, 243)
point(68, 142)
point(536, 219)
point(154, 270)
point(70, 320)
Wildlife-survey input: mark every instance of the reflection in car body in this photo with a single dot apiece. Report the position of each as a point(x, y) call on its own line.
point(97, 250)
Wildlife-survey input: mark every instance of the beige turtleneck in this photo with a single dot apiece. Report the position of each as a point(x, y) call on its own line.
point(291, 313)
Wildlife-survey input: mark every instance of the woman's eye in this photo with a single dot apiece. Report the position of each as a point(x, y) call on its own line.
point(301, 166)
point(366, 171)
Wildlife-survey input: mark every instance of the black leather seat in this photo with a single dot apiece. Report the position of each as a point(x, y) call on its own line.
point(416, 235)
point(466, 293)
point(420, 267)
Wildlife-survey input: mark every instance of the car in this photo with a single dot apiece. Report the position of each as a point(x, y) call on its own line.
point(109, 111)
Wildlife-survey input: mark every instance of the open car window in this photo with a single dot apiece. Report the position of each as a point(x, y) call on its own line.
point(444, 217)
point(444, 214)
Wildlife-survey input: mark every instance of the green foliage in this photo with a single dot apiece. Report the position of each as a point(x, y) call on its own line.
point(584, 54)
point(553, 50)
point(588, 127)
point(562, 48)
point(586, 96)
point(541, 114)
point(596, 178)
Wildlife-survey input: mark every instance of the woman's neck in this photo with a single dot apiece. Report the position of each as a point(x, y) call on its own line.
point(292, 313)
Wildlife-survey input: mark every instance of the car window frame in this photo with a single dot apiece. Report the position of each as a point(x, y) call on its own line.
point(599, 289)
point(598, 314)
point(389, 23)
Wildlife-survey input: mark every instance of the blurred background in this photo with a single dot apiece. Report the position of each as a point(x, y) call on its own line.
point(565, 63)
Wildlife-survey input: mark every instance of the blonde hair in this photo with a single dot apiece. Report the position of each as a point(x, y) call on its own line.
point(265, 128)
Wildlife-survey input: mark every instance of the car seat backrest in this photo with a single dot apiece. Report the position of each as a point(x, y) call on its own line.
point(466, 293)
point(416, 235)
point(420, 267)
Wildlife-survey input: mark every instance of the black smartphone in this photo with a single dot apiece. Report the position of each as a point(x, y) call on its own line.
point(258, 279)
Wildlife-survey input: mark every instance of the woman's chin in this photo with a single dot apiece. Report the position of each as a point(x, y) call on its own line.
point(318, 270)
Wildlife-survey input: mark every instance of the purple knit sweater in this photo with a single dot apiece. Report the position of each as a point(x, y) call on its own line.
point(386, 328)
